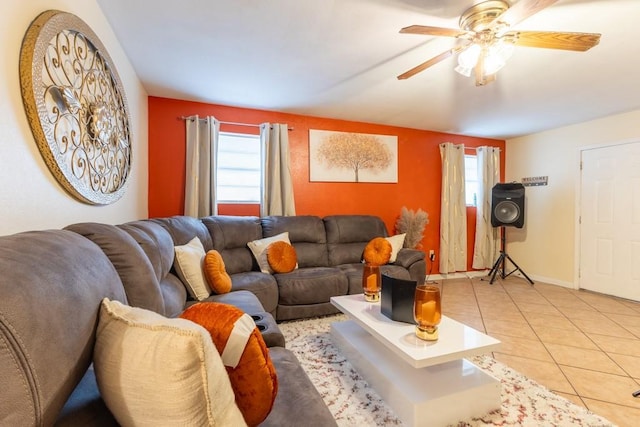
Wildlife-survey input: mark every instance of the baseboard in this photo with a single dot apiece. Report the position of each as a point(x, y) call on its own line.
point(483, 273)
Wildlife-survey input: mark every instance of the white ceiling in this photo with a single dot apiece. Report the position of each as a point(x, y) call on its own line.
point(340, 59)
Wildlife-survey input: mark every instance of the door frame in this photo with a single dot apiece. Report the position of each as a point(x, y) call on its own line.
point(578, 200)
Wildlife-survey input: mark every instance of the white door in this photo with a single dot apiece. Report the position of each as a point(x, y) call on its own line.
point(610, 220)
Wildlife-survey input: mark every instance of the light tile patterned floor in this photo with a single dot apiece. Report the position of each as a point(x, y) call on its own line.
point(581, 345)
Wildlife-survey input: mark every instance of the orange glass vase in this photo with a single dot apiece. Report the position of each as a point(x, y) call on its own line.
point(371, 282)
point(427, 312)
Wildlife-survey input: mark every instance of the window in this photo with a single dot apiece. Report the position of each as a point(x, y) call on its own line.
point(239, 168)
point(471, 180)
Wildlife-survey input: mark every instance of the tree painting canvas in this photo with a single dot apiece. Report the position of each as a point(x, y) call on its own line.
point(352, 157)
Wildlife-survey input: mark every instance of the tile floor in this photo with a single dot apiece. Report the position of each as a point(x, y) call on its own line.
point(581, 345)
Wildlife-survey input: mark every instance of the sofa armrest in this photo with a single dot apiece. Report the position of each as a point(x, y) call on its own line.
point(407, 257)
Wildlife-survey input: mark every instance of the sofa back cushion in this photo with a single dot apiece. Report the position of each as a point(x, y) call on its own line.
point(51, 286)
point(230, 235)
point(184, 228)
point(347, 236)
point(132, 264)
point(157, 244)
point(307, 235)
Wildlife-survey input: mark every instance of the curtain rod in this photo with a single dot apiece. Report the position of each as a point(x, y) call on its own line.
point(457, 146)
point(489, 146)
point(229, 123)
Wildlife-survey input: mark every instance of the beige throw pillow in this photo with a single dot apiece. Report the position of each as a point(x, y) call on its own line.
point(189, 266)
point(155, 371)
point(259, 250)
point(397, 242)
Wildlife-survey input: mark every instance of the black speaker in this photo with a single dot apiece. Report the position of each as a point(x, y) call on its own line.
point(507, 205)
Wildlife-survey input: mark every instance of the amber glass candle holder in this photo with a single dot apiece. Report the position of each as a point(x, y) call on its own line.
point(427, 312)
point(371, 282)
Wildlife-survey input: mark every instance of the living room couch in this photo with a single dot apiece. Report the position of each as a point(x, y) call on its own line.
point(329, 254)
point(53, 282)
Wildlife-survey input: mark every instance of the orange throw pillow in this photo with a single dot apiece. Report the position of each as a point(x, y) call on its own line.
point(253, 378)
point(282, 257)
point(377, 251)
point(215, 272)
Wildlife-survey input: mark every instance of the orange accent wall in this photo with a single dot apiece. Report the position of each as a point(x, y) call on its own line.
point(419, 167)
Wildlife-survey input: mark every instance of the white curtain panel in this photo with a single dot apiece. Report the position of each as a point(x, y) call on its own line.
point(277, 185)
point(453, 210)
point(487, 241)
point(201, 167)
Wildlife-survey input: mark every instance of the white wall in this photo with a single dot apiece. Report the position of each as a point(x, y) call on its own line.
point(545, 247)
point(30, 197)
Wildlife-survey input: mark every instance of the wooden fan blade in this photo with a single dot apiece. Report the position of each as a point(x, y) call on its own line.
point(556, 40)
point(434, 31)
point(521, 11)
point(444, 55)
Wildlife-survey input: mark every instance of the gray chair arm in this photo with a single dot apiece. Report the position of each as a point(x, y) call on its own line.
point(407, 257)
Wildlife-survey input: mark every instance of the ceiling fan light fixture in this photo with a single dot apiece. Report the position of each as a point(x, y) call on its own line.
point(468, 59)
point(488, 41)
point(496, 56)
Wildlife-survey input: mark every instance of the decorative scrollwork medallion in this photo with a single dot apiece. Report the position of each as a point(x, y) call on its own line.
point(76, 107)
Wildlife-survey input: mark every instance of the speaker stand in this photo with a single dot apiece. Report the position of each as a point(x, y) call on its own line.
point(501, 262)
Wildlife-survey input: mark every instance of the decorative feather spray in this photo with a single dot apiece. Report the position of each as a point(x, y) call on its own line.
point(412, 223)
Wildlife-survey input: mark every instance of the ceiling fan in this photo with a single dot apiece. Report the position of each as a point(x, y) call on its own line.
point(487, 41)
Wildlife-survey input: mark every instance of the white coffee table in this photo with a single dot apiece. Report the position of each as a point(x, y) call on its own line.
point(426, 383)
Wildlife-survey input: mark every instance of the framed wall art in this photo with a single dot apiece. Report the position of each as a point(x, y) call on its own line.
point(352, 157)
point(76, 107)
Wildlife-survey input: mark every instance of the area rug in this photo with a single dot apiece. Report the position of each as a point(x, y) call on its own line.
point(353, 403)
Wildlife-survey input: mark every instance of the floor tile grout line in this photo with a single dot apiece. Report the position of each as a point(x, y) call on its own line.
point(475, 295)
point(622, 326)
point(586, 334)
point(598, 348)
point(555, 362)
point(539, 339)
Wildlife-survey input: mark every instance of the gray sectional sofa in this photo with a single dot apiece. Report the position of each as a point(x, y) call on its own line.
point(52, 283)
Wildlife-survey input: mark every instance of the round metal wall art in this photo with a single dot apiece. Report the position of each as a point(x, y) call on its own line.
point(76, 107)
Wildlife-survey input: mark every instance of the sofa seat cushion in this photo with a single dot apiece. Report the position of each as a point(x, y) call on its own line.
point(353, 272)
point(311, 285)
point(296, 395)
point(262, 285)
